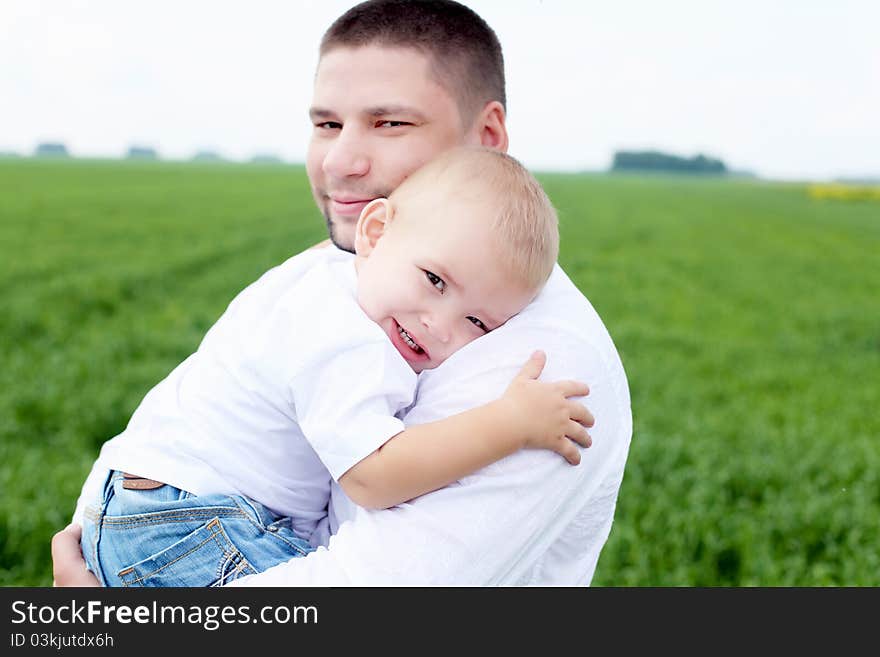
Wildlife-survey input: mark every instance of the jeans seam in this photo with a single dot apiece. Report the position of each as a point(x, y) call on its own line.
point(160, 517)
point(255, 520)
point(107, 495)
point(238, 567)
point(216, 530)
point(264, 528)
point(288, 543)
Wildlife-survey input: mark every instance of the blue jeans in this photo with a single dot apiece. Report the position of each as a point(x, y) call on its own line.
point(168, 537)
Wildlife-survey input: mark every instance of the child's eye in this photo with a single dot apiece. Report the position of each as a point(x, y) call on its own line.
point(435, 280)
point(479, 324)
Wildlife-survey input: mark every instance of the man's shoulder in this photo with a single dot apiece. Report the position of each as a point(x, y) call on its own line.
point(297, 265)
point(275, 283)
point(302, 319)
point(562, 323)
point(297, 299)
point(317, 292)
point(560, 304)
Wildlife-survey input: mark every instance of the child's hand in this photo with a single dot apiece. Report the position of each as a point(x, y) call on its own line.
point(542, 413)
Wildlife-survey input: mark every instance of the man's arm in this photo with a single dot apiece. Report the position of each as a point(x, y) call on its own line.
point(493, 527)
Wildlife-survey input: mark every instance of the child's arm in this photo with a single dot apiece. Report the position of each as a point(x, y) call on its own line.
point(531, 414)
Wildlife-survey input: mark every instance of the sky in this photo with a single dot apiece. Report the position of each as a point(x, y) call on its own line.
point(786, 89)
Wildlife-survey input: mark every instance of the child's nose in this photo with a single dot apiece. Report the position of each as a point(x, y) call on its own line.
point(438, 326)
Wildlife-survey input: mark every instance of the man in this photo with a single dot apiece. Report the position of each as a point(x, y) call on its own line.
point(397, 83)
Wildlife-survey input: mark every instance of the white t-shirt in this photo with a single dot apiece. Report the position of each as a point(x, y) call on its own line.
point(291, 387)
point(529, 519)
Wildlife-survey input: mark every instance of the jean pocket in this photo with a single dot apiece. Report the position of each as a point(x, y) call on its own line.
point(205, 557)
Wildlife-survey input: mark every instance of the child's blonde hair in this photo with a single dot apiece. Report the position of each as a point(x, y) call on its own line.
point(524, 219)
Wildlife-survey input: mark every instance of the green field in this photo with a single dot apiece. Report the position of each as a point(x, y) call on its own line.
point(747, 315)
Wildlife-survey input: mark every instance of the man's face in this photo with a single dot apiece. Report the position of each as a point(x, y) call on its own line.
point(378, 115)
point(436, 280)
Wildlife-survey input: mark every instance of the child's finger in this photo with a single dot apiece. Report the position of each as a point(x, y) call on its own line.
point(578, 434)
point(569, 451)
point(573, 388)
point(580, 413)
point(534, 365)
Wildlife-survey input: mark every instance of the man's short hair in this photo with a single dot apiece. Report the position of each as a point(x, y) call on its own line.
point(524, 222)
point(464, 52)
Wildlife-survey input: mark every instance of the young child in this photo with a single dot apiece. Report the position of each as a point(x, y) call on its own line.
point(225, 467)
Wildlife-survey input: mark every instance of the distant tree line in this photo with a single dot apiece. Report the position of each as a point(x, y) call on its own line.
point(139, 152)
point(142, 153)
point(657, 161)
point(51, 149)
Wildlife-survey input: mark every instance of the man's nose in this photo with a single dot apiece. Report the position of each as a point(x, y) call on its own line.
point(347, 156)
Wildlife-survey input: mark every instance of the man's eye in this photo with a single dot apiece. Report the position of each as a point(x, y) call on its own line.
point(435, 280)
point(391, 124)
point(329, 125)
point(479, 324)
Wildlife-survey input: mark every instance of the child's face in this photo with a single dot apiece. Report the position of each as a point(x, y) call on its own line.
point(436, 283)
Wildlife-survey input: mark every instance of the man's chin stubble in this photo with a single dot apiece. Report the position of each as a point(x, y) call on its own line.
point(331, 230)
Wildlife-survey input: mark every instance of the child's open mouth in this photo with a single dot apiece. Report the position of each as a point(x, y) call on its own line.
point(406, 344)
point(408, 339)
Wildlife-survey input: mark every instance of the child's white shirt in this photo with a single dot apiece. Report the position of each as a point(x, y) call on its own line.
point(290, 388)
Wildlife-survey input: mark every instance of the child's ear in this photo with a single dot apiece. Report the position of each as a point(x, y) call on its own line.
point(374, 220)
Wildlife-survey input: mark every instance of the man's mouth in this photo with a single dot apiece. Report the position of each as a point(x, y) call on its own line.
point(347, 207)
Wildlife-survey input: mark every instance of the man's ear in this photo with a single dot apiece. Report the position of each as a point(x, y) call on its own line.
point(374, 220)
point(491, 127)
